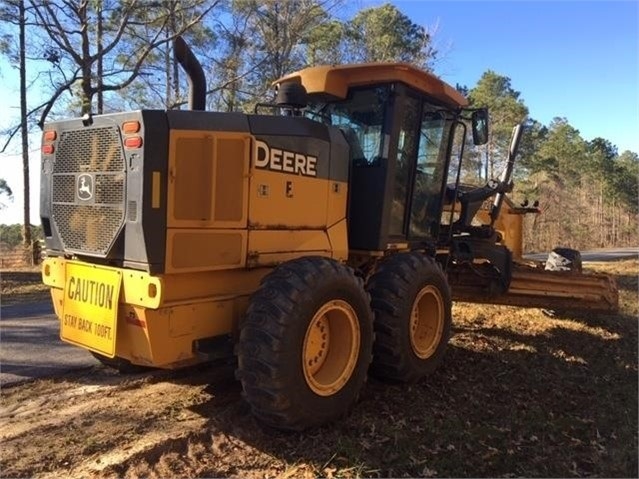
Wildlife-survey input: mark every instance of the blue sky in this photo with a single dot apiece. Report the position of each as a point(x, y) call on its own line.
point(573, 59)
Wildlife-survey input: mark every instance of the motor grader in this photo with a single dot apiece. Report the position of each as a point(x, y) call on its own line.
point(306, 239)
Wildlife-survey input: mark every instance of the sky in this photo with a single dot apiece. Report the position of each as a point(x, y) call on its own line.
point(572, 59)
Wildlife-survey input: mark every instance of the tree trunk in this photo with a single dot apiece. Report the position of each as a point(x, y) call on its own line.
point(100, 59)
point(87, 91)
point(176, 69)
point(168, 101)
point(26, 225)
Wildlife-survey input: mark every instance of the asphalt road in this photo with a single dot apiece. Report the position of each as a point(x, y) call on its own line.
point(30, 346)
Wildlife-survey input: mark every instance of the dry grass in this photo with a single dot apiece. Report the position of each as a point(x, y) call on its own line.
point(22, 285)
point(519, 394)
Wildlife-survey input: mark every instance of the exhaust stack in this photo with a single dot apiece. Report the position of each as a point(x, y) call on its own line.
point(194, 73)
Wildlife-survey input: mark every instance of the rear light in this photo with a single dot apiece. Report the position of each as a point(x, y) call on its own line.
point(133, 142)
point(48, 149)
point(50, 135)
point(129, 127)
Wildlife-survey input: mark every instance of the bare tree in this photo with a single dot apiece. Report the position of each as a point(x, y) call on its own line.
point(14, 13)
point(24, 130)
point(126, 34)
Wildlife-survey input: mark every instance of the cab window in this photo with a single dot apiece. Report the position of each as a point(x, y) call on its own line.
point(429, 173)
point(361, 117)
point(407, 141)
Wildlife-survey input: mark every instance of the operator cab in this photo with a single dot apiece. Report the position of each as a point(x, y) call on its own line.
point(401, 125)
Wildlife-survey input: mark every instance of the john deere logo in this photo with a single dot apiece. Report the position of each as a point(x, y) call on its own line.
point(85, 187)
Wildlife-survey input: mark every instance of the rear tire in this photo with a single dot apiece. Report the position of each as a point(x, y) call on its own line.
point(123, 366)
point(412, 304)
point(305, 344)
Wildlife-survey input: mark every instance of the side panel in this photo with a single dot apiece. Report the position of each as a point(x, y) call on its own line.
point(281, 201)
point(298, 189)
point(208, 179)
point(207, 200)
point(205, 249)
point(269, 247)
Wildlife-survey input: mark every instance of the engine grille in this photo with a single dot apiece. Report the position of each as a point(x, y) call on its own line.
point(88, 189)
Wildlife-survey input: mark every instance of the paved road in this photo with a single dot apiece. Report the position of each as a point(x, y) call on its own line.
point(30, 346)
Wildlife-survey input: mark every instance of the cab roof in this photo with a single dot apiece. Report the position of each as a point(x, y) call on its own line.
point(333, 81)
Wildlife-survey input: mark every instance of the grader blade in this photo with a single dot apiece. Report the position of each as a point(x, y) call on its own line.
point(534, 287)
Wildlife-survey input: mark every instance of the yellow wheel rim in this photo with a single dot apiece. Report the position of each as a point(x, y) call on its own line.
point(331, 347)
point(427, 322)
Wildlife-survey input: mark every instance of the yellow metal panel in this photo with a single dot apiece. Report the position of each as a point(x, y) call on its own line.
point(510, 225)
point(271, 247)
point(138, 287)
point(164, 337)
point(192, 177)
point(204, 249)
point(90, 307)
point(338, 237)
point(53, 272)
point(335, 80)
point(189, 286)
point(57, 296)
point(194, 306)
point(134, 341)
point(187, 320)
point(337, 199)
point(273, 259)
point(283, 241)
point(155, 190)
point(208, 179)
point(141, 288)
point(230, 178)
point(279, 200)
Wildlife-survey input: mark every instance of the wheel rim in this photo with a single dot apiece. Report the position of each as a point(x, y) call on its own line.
point(427, 322)
point(331, 347)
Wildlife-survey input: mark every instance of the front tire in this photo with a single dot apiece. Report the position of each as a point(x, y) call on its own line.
point(305, 344)
point(412, 304)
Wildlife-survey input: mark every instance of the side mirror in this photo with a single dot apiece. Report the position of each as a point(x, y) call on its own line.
point(480, 126)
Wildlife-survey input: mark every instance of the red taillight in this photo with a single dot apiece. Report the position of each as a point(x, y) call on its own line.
point(50, 135)
point(48, 149)
point(129, 127)
point(133, 142)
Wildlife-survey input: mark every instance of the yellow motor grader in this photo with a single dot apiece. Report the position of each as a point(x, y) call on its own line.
point(306, 240)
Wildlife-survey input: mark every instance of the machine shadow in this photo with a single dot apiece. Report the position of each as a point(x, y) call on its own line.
point(489, 412)
point(627, 282)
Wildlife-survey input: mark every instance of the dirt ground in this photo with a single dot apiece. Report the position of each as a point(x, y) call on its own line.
point(519, 394)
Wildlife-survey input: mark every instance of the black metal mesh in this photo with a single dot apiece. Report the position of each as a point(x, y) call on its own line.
point(64, 189)
point(94, 149)
point(89, 226)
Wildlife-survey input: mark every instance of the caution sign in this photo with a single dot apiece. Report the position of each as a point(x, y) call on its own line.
point(90, 307)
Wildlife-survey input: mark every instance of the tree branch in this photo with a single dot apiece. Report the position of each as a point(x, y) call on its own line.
point(49, 104)
point(153, 45)
point(59, 37)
